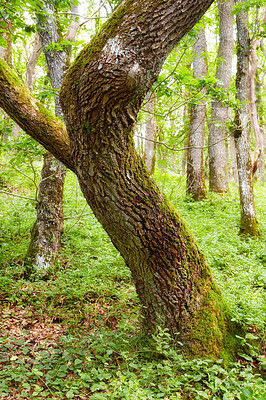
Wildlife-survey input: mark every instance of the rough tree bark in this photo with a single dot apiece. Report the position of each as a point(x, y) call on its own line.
point(195, 166)
point(248, 222)
point(150, 132)
point(218, 179)
point(47, 230)
point(101, 96)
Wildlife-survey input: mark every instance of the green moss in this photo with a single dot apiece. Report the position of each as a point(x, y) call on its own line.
point(111, 28)
point(213, 332)
point(107, 31)
point(249, 228)
point(8, 74)
point(23, 96)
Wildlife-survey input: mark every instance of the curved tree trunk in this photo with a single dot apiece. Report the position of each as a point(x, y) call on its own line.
point(195, 166)
point(248, 222)
point(101, 96)
point(219, 115)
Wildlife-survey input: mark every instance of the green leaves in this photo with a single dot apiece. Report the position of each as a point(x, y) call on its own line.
point(246, 5)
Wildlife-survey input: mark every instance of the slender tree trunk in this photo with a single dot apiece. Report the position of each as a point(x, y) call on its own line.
point(150, 132)
point(248, 222)
point(233, 161)
point(260, 107)
point(47, 231)
point(48, 227)
point(101, 96)
point(32, 62)
point(195, 165)
point(5, 54)
point(30, 72)
point(258, 154)
point(217, 153)
point(186, 138)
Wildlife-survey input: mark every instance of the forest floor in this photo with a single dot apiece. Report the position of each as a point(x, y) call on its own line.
point(77, 333)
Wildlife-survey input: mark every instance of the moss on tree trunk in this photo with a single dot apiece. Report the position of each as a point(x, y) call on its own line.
point(101, 96)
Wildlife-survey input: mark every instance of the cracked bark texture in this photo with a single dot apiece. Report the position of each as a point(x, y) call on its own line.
point(218, 176)
point(248, 222)
point(195, 166)
point(101, 96)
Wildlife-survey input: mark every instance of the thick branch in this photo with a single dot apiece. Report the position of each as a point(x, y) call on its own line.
point(32, 116)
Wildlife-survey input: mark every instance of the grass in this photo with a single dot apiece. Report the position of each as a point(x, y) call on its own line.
point(76, 335)
point(238, 263)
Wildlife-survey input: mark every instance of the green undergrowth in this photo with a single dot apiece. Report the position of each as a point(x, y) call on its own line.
point(120, 365)
point(238, 264)
point(89, 299)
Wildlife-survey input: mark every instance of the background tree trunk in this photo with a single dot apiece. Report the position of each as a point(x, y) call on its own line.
point(219, 115)
point(258, 154)
point(5, 54)
point(248, 222)
point(48, 227)
point(150, 132)
point(30, 72)
point(233, 162)
point(47, 231)
point(195, 165)
point(260, 107)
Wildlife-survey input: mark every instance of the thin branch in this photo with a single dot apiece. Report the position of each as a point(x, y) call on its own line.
point(92, 15)
point(170, 74)
point(20, 172)
point(17, 195)
point(185, 148)
point(78, 216)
